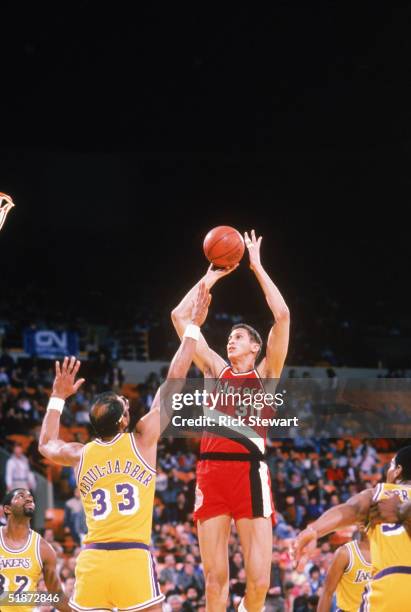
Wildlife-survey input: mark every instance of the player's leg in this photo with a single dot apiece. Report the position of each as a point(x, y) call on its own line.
point(256, 536)
point(213, 535)
point(133, 582)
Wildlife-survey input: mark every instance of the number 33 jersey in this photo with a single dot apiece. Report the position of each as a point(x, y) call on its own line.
point(20, 570)
point(117, 489)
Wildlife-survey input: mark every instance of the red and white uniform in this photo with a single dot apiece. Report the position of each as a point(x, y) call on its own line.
point(232, 476)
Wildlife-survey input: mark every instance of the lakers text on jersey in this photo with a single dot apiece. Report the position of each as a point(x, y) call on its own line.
point(20, 570)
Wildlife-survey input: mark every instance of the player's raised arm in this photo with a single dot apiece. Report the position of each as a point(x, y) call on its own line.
point(335, 572)
point(50, 446)
point(205, 358)
point(150, 426)
point(53, 584)
point(277, 344)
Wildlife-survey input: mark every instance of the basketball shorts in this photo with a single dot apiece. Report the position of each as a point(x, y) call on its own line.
point(113, 576)
point(238, 488)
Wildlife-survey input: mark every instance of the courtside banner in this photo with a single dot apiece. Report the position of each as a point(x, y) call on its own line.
point(256, 409)
point(50, 344)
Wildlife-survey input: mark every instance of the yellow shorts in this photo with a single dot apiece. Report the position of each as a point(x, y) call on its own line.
point(392, 592)
point(124, 580)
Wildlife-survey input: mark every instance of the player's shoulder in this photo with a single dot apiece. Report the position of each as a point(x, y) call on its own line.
point(343, 556)
point(215, 367)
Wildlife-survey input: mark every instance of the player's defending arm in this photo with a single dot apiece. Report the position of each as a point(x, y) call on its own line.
point(53, 584)
point(277, 344)
point(335, 572)
point(50, 446)
point(150, 426)
point(354, 510)
point(205, 358)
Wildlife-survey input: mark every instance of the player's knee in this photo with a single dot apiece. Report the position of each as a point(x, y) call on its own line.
point(217, 583)
point(258, 587)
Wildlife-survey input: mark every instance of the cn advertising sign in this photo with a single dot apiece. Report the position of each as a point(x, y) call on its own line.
point(50, 344)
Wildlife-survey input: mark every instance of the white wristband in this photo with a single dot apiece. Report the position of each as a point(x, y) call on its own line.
point(56, 403)
point(192, 331)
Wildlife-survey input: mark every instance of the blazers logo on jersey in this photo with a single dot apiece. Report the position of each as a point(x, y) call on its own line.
point(8, 563)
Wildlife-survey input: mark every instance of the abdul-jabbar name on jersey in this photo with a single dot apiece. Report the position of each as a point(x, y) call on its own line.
point(117, 489)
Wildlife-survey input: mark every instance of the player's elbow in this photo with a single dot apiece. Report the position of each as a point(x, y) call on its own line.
point(283, 315)
point(176, 317)
point(43, 450)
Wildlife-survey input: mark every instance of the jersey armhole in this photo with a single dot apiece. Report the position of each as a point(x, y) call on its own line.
point(38, 552)
point(139, 455)
point(351, 558)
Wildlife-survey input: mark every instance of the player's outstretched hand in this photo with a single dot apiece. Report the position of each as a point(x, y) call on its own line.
point(253, 245)
point(385, 510)
point(64, 384)
point(214, 274)
point(303, 546)
point(200, 307)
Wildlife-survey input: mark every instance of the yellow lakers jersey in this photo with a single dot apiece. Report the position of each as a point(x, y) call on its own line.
point(20, 570)
point(391, 560)
point(357, 574)
point(117, 489)
point(390, 543)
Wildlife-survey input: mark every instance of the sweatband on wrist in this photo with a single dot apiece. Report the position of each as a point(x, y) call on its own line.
point(192, 331)
point(56, 403)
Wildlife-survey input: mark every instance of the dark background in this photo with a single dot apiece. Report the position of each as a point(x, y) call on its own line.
point(126, 136)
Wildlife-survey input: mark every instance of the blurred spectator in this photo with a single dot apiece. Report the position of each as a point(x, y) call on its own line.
point(4, 377)
point(6, 361)
point(18, 472)
point(314, 580)
point(49, 537)
point(187, 578)
point(174, 603)
point(275, 596)
point(169, 572)
point(69, 586)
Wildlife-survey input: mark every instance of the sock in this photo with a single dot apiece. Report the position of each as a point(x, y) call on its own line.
point(241, 607)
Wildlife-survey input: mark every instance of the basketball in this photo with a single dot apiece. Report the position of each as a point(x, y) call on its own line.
point(223, 246)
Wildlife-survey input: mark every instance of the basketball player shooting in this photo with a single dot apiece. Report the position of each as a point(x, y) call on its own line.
point(232, 478)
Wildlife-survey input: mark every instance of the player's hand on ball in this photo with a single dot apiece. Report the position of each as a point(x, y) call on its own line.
point(214, 274)
point(200, 307)
point(64, 383)
point(253, 245)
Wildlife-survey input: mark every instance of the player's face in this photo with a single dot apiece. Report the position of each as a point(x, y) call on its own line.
point(22, 503)
point(240, 344)
point(393, 472)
